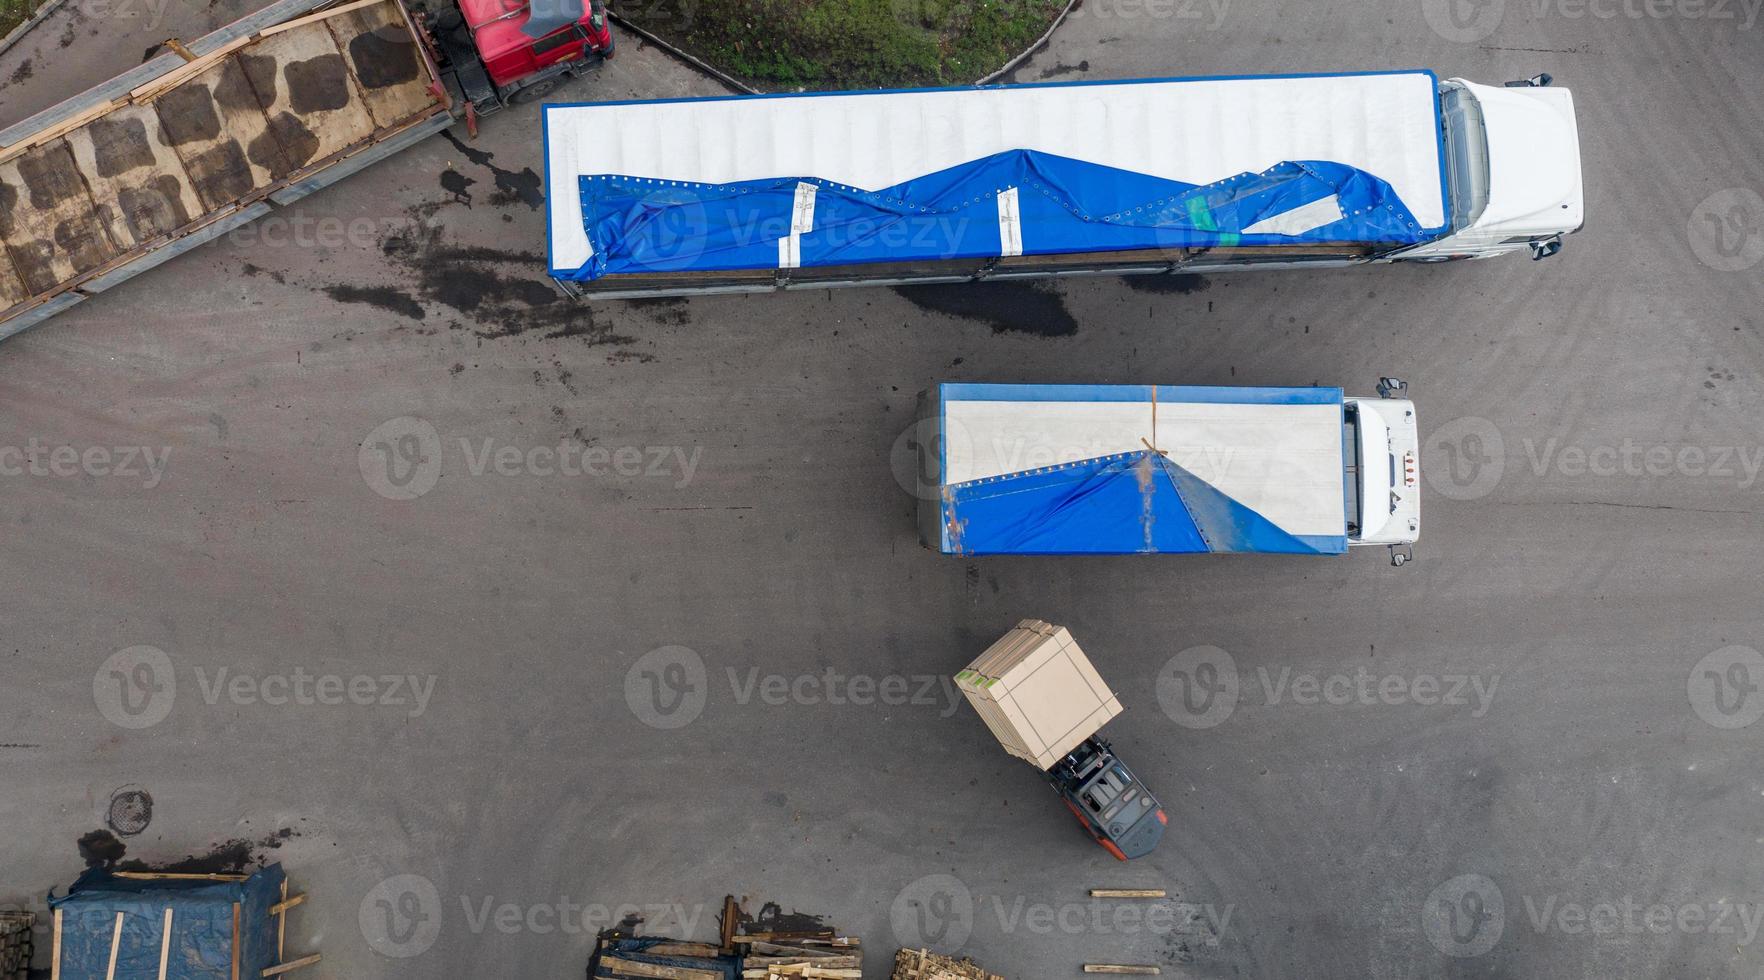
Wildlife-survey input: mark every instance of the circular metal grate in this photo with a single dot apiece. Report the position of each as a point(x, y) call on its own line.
point(131, 810)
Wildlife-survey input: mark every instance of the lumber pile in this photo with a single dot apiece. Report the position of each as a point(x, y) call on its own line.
point(15, 944)
point(773, 945)
point(622, 956)
point(838, 958)
point(922, 964)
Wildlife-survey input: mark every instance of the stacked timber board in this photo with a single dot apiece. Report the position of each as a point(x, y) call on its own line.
point(836, 958)
point(773, 945)
point(105, 181)
point(629, 958)
point(921, 964)
point(15, 944)
point(660, 959)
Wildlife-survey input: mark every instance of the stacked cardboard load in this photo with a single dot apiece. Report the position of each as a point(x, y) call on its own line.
point(1038, 693)
point(920, 964)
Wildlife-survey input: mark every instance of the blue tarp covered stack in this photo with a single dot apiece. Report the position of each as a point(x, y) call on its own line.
point(209, 927)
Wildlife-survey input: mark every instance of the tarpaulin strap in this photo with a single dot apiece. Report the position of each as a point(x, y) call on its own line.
point(1153, 443)
point(802, 221)
point(1010, 223)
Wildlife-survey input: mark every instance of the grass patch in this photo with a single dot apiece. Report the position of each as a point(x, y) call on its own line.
point(844, 44)
point(16, 12)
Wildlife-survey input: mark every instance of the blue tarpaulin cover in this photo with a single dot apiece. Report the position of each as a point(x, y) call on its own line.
point(201, 937)
point(852, 178)
point(1126, 469)
point(1065, 206)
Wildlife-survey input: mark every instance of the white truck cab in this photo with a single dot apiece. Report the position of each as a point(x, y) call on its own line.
point(1513, 169)
point(1384, 470)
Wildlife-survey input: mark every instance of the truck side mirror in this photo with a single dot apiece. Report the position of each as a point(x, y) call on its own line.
point(1539, 80)
point(1391, 387)
point(1402, 556)
point(1546, 248)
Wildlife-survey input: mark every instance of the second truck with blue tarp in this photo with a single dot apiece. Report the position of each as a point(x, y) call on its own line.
point(1165, 469)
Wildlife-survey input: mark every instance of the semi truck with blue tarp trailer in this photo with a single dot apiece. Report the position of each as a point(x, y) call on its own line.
point(753, 193)
point(1024, 469)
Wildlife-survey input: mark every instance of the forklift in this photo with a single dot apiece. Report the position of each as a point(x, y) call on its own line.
point(1045, 702)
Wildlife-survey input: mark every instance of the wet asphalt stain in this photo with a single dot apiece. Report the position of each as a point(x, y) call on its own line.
point(1006, 307)
point(667, 310)
point(280, 278)
point(511, 187)
point(457, 185)
point(1182, 284)
point(772, 919)
point(102, 849)
point(23, 72)
point(493, 288)
point(385, 297)
point(1064, 69)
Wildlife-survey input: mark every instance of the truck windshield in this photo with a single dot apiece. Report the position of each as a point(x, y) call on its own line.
point(1350, 484)
point(1466, 153)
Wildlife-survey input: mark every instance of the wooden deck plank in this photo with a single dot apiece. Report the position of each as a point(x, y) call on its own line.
point(137, 181)
point(307, 93)
point(382, 56)
point(47, 218)
point(218, 129)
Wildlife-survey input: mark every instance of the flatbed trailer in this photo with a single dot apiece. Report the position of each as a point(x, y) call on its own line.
point(251, 118)
point(175, 153)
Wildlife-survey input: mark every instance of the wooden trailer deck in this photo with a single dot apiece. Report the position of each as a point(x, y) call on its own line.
point(108, 184)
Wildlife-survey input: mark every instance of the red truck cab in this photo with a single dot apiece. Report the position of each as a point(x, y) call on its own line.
point(493, 52)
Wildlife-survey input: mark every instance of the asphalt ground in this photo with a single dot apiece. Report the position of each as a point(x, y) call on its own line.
point(716, 666)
